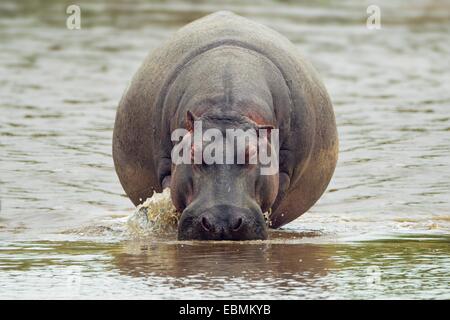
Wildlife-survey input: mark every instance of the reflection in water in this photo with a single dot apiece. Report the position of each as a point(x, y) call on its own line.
point(254, 262)
point(59, 92)
point(413, 267)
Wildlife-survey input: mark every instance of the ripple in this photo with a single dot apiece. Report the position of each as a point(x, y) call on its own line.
point(386, 206)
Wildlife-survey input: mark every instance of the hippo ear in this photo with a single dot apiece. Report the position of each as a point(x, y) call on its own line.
point(190, 119)
point(267, 127)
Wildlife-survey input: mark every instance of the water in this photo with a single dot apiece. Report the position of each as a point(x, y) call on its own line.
point(382, 229)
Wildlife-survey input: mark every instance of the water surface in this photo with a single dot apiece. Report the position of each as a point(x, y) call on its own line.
point(380, 231)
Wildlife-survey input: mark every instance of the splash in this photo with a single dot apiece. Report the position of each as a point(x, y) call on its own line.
point(155, 215)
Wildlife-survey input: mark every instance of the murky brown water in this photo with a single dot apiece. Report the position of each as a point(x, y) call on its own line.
point(381, 231)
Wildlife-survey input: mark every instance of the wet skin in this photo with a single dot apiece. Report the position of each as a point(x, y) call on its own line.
point(222, 201)
point(228, 72)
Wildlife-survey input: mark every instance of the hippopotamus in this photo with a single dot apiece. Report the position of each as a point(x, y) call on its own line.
point(227, 72)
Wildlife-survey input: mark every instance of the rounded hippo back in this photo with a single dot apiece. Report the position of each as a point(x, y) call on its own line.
point(308, 137)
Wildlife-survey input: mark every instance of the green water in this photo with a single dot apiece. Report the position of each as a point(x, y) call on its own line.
point(412, 267)
point(380, 231)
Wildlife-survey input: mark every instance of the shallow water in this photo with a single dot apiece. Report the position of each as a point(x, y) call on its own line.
point(380, 231)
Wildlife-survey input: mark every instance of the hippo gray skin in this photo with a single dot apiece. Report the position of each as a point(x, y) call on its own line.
point(228, 72)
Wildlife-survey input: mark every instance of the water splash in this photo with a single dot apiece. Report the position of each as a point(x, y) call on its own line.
point(155, 215)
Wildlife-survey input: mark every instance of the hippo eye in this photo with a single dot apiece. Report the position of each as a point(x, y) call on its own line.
point(193, 149)
point(250, 156)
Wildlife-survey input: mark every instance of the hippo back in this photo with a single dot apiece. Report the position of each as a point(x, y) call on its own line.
point(141, 140)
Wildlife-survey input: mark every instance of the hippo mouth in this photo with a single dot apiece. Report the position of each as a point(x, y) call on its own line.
point(222, 222)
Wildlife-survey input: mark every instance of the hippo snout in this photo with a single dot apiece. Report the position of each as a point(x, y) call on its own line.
point(222, 222)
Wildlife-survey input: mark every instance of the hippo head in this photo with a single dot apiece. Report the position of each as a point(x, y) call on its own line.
point(222, 194)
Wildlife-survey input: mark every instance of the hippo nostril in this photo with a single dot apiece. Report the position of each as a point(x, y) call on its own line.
point(206, 224)
point(237, 224)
